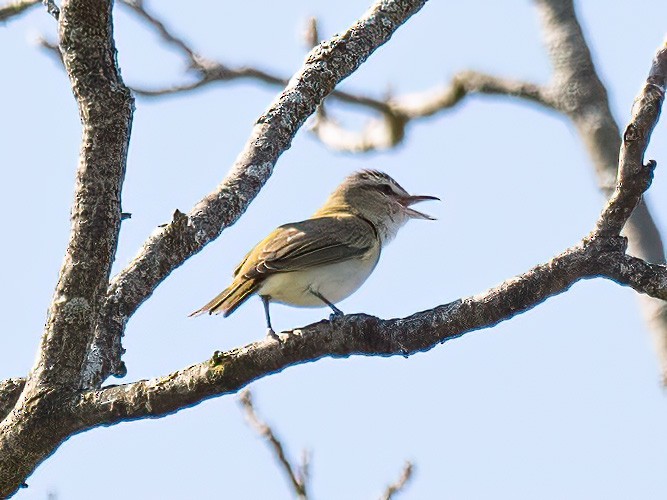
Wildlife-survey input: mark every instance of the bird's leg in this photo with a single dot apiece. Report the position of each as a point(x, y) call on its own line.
point(336, 312)
point(269, 328)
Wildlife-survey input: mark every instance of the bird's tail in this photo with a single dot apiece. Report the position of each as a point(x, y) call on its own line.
point(229, 299)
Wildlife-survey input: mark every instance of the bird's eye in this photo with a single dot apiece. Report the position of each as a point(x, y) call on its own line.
point(386, 189)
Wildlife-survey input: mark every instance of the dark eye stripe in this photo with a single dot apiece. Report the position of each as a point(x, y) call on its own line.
point(383, 188)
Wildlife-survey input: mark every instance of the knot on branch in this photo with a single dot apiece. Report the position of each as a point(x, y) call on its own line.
point(651, 165)
point(179, 218)
point(632, 133)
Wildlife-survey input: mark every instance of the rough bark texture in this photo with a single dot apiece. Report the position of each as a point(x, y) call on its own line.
point(35, 426)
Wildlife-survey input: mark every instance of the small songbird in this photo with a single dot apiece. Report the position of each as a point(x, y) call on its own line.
point(322, 260)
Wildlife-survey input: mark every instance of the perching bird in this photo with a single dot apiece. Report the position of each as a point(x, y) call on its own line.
point(324, 259)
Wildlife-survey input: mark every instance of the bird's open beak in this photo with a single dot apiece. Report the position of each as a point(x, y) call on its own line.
point(415, 214)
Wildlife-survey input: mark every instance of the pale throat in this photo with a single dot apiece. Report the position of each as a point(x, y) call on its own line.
point(388, 226)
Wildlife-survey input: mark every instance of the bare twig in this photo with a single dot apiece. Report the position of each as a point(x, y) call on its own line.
point(139, 8)
point(395, 113)
point(311, 35)
point(52, 8)
point(51, 48)
point(298, 479)
point(400, 483)
point(389, 130)
point(304, 466)
point(13, 9)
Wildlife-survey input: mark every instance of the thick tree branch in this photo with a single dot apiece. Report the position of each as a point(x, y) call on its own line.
point(105, 106)
point(16, 8)
point(581, 95)
point(577, 88)
point(297, 479)
point(602, 253)
point(358, 334)
point(170, 246)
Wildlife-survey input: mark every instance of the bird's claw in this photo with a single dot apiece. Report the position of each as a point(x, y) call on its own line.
point(334, 316)
point(272, 335)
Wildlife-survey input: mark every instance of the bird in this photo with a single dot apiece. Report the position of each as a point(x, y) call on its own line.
point(322, 260)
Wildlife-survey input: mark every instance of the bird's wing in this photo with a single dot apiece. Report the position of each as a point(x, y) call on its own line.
point(312, 242)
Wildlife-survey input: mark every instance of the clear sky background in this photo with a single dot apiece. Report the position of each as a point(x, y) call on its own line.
point(561, 402)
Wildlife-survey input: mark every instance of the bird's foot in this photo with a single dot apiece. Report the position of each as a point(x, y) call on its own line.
point(272, 335)
point(336, 315)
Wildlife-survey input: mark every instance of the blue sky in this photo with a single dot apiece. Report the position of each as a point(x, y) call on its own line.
point(561, 402)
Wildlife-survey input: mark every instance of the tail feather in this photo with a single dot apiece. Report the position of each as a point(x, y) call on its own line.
point(229, 299)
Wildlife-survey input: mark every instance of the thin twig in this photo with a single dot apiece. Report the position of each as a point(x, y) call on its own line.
point(389, 129)
point(311, 33)
point(380, 133)
point(383, 132)
point(399, 484)
point(52, 8)
point(297, 479)
point(139, 8)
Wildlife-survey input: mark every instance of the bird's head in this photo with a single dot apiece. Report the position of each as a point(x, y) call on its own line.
point(378, 198)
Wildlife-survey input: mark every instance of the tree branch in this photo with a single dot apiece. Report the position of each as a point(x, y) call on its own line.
point(389, 130)
point(357, 334)
point(169, 247)
point(581, 95)
point(297, 480)
point(105, 107)
point(139, 8)
point(400, 483)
